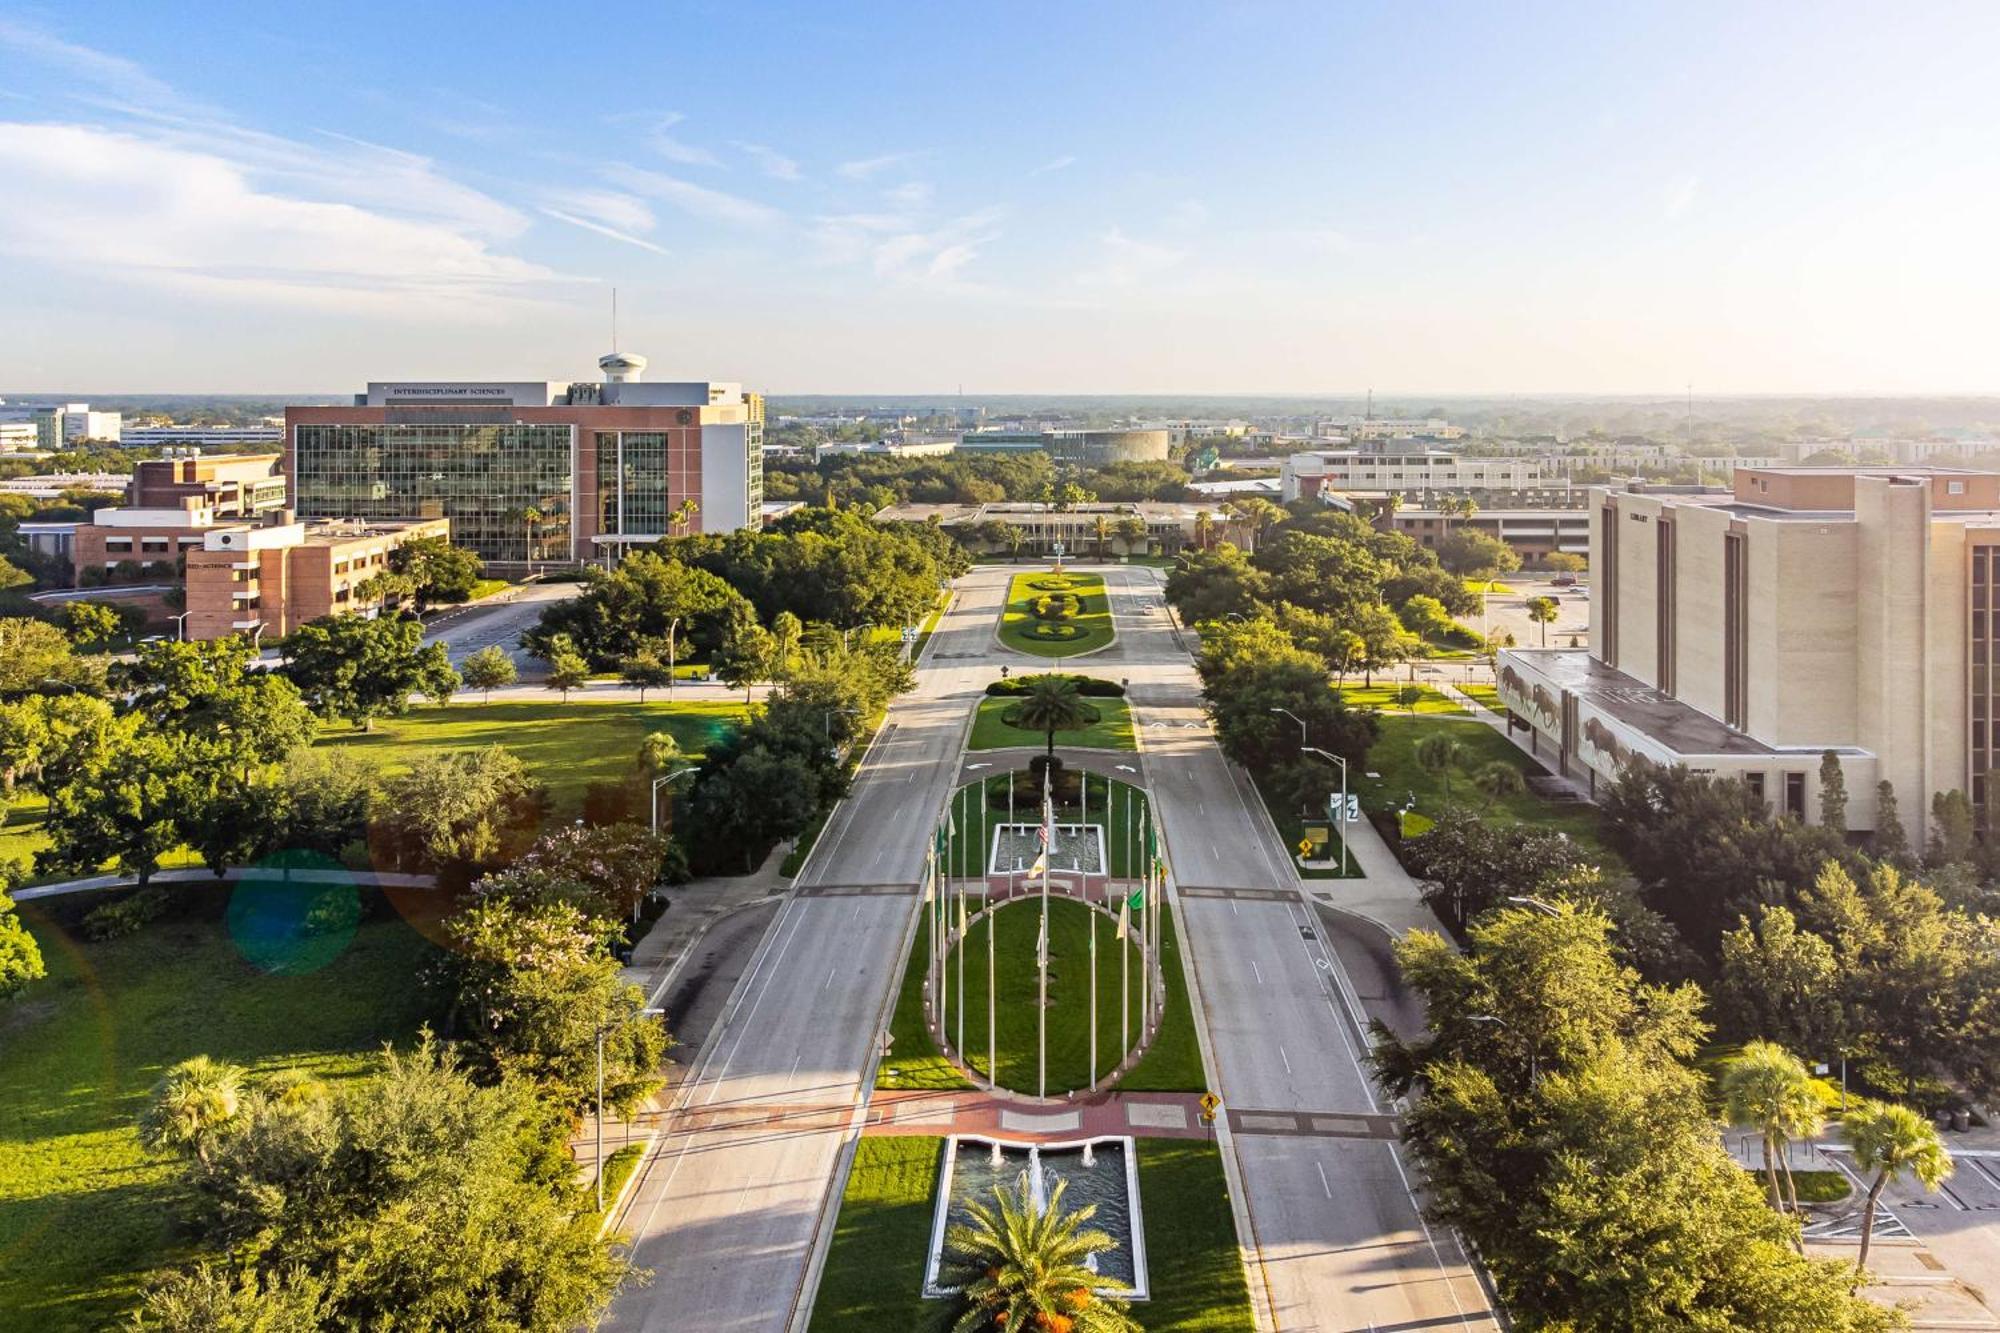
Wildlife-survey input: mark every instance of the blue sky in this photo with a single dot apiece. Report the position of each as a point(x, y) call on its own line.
point(1016, 198)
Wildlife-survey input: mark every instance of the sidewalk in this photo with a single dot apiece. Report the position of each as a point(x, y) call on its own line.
point(198, 875)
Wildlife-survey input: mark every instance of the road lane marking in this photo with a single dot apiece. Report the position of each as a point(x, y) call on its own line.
point(1321, 1168)
point(1286, 1058)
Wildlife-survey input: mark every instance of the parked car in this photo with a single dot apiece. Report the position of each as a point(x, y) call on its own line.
point(1564, 581)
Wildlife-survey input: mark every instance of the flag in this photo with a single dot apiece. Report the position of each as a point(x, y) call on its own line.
point(1040, 867)
point(961, 926)
point(1124, 916)
point(1137, 901)
point(1042, 944)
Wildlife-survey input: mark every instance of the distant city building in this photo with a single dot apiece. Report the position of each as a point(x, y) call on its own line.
point(917, 447)
point(184, 437)
point(1855, 610)
point(1401, 468)
point(66, 424)
point(50, 485)
point(1169, 526)
point(1534, 531)
point(1089, 447)
point(1267, 488)
point(18, 437)
point(533, 472)
point(1388, 428)
point(245, 578)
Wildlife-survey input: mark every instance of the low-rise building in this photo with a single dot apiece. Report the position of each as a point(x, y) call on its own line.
point(1852, 610)
point(1168, 526)
point(1389, 467)
point(1092, 448)
point(269, 579)
point(230, 485)
point(50, 485)
point(199, 437)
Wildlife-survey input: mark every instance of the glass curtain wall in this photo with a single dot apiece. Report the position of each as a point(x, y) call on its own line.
point(505, 488)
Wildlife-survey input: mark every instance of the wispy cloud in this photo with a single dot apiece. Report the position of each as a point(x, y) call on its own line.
point(129, 78)
point(769, 160)
point(675, 149)
point(1127, 260)
point(1054, 164)
point(696, 200)
point(608, 213)
point(866, 168)
point(910, 194)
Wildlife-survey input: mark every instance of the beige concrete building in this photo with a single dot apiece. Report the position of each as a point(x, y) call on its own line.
point(270, 579)
point(1855, 609)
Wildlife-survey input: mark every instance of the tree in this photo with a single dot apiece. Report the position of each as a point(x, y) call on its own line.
point(1213, 585)
point(744, 656)
point(535, 986)
point(1050, 704)
point(1766, 1088)
point(1204, 529)
point(1437, 755)
point(1470, 553)
point(1892, 843)
point(1256, 514)
point(1832, 793)
point(1477, 866)
point(1566, 562)
point(605, 872)
point(360, 669)
point(658, 752)
point(1952, 841)
point(208, 697)
point(1100, 528)
point(787, 639)
point(216, 1298)
point(1021, 1266)
point(353, 1191)
point(34, 653)
point(646, 599)
point(20, 957)
point(1891, 1141)
point(437, 571)
point(317, 801)
point(1780, 982)
point(645, 670)
point(125, 803)
point(194, 1103)
point(489, 669)
point(89, 623)
point(567, 668)
point(1563, 1130)
point(1498, 779)
point(1543, 612)
point(1133, 535)
point(458, 809)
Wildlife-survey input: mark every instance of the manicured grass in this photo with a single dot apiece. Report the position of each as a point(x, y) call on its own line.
point(486, 588)
point(566, 745)
point(22, 834)
point(1111, 731)
point(1292, 827)
point(1192, 1255)
point(1817, 1186)
point(974, 819)
point(913, 1060)
point(1487, 586)
point(618, 1169)
point(1173, 1062)
point(874, 1276)
point(85, 1213)
point(1383, 696)
point(1093, 617)
point(1394, 757)
point(1017, 988)
point(1485, 694)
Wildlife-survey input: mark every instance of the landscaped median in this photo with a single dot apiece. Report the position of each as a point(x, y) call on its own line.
point(1056, 615)
point(992, 730)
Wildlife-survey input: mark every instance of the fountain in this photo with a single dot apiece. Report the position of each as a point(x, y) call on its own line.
point(1102, 1171)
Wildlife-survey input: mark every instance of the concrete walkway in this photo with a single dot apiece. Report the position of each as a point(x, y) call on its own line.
point(199, 875)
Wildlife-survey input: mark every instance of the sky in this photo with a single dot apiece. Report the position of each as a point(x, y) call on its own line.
point(1023, 197)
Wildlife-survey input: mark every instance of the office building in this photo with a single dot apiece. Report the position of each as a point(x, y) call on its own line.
point(201, 437)
point(537, 472)
point(1168, 526)
point(1398, 467)
point(1855, 610)
point(270, 578)
point(52, 485)
point(66, 424)
point(231, 485)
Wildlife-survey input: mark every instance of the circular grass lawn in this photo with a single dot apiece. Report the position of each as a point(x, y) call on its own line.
point(1070, 925)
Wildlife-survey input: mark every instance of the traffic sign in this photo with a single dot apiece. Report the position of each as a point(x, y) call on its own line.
point(1210, 1104)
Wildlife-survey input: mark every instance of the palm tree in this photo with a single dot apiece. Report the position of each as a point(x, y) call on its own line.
point(1132, 531)
point(1256, 513)
point(1436, 755)
point(1014, 539)
point(1026, 1268)
point(529, 516)
point(1889, 1140)
point(193, 1102)
point(1051, 704)
point(1101, 529)
point(1204, 528)
point(682, 518)
point(1767, 1088)
point(1498, 779)
point(1543, 611)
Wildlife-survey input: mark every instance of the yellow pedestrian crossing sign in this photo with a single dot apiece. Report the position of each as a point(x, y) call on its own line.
point(1210, 1104)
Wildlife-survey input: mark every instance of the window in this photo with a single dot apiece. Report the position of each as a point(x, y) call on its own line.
point(118, 545)
point(1795, 795)
point(1755, 782)
point(1954, 488)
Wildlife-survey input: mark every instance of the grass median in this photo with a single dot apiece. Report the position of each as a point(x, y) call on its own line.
point(1090, 627)
point(1111, 731)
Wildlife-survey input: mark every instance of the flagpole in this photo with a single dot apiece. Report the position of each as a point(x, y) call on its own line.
point(992, 1008)
point(961, 970)
point(1042, 945)
point(1093, 983)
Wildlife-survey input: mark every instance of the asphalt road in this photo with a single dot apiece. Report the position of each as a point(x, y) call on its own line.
point(737, 1195)
point(466, 632)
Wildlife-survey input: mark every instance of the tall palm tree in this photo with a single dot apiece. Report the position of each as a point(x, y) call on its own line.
point(1025, 1268)
point(192, 1103)
point(1050, 704)
point(1101, 529)
point(1768, 1089)
point(1132, 531)
point(1204, 528)
point(1437, 755)
point(682, 518)
point(1890, 1140)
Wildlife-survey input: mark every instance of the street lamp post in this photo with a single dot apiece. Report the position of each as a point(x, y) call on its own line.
point(180, 626)
point(603, 1028)
point(1534, 1056)
point(660, 782)
point(1330, 757)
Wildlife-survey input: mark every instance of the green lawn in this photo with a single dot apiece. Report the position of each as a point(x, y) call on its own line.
point(1485, 694)
point(875, 1266)
point(1382, 696)
point(1394, 757)
point(566, 745)
point(1173, 1062)
point(1111, 731)
point(1292, 827)
point(914, 1060)
point(1192, 1256)
point(1017, 985)
point(1094, 617)
point(973, 820)
point(85, 1213)
point(874, 1276)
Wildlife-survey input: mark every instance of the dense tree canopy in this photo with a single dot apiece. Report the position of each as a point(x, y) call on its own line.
point(645, 599)
point(358, 669)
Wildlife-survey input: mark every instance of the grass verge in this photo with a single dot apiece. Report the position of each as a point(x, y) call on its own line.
point(1387, 697)
point(1173, 1062)
point(874, 1275)
point(1394, 758)
point(1093, 617)
point(86, 1214)
point(914, 1061)
point(1192, 1256)
point(1111, 731)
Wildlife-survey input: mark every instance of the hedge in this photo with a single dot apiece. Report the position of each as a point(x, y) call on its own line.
point(1088, 686)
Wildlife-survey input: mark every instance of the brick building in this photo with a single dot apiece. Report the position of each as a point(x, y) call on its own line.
point(270, 579)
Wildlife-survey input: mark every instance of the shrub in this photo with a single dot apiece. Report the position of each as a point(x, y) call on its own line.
point(1056, 606)
point(1052, 631)
point(1053, 583)
point(129, 914)
point(1090, 687)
